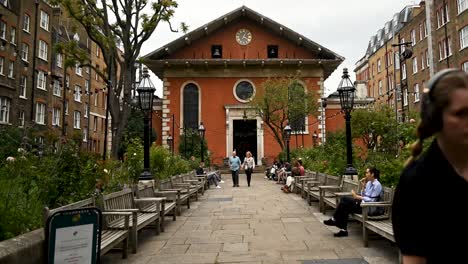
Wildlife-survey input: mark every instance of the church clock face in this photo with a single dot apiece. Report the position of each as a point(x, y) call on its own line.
point(243, 36)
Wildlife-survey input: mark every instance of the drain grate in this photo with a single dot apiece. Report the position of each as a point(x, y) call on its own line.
point(226, 199)
point(336, 261)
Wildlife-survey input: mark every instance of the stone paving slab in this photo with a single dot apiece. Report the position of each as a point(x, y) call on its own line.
point(259, 224)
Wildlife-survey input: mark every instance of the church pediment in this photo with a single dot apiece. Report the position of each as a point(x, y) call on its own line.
point(243, 36)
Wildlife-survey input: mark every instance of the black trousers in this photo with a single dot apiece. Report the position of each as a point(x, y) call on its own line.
point(346, 206)
point(235, 177)
point(248, 172)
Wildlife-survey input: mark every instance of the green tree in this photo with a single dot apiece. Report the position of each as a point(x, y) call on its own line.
point(282, 100)
point(119, 28)
point(190, 146)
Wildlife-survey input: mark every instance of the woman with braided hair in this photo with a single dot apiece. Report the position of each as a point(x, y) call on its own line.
point(430, 207)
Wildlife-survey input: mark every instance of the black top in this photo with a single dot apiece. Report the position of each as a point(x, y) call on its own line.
point(199, 171)
point(430, 210)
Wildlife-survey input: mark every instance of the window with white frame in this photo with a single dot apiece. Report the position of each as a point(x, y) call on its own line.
point(2, 62)
point(426, 54)
point(413, 37)
point(67, 81)
point(405, 97)
point(95, 123)
point(379, 65)
point(40, 113)
point(3, 27)
point(464, 37)
point(43, 50)
point(66, 107)
point(77, 93)
point(85, 135)
point(462, 5)
point(86, 86)
point(21, 119)
point(4, 110)
point(26, 22)
point(415, 65)
point(421, 31)
point(96, 98)
point(56, 88)
point(423, 61)
point(24, 51)
point(41, 80)
point(87, 70)
point(78, 69)
point(380, 88)
point(11, 70)
point(397, 60)
point(97, 51)
point(442, 16)
point(403, 71)
point(425, 28)
point(76, 119)
point(13, 36)
point(86, 109)
point(465, 66)
point(96, 77)
point(44, 20)
point(444, 50)
point(416, 92)
point(59, 60)
point(56, 116)
point(23, 86)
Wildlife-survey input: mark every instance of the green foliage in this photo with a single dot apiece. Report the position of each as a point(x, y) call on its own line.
point(190, 146)
point(280, 99)
point(163, 164)
point(133, 130)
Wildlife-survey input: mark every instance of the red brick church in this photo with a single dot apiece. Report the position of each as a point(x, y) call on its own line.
point(210, 74)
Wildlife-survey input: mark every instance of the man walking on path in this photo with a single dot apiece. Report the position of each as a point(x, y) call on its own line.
point(234, 164)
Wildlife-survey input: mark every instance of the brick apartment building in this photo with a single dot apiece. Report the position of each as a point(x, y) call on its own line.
point(210, 73)
point(36, 89)
point(446, 31)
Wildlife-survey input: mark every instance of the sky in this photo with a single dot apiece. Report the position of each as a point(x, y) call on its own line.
point(343, 26)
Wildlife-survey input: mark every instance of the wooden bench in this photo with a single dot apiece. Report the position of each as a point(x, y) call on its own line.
point(205, 176)
point(109, 237)
point(142, 216)
point(381, 224)
point(300, 182)
point(177, 181)
point(191, 178)
point(331, 195)
point(313, 191)
point(183, 194)
point(168, 206)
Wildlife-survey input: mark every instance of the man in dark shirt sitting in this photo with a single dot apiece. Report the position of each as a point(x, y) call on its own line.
point(212, 177)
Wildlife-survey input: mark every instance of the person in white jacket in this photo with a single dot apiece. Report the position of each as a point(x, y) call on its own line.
point(248, 165)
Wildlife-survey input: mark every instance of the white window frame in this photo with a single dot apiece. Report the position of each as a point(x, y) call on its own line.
point(45, 18)
point(85, 134)
point(23, 86)
point(21, 119)
point(403, 71)
point(2, 62)
point(59, 60)
point(462, 5)
point(26, 23)
point(11, 70)
point(57, 91)
point(5, 104)
point(40, 113)
point(464, 66)
point(13, 35)
point(3, 30)
point(463, 37)
point(24, 51)
point(66, 107)
point(421, 31)
point(413, 37)
point(379, 65)
point(405, 97)
point(416, 92)
point(42, 80)
point(78, 69)
point(425, 28)
point(95, 123)
point(77, 93)
point(77, 120)
point(426, 54)
point(43, 50)
point(86, 110)
point(380, 87)
point(415, 65)
point(56, 113)
point(96, 99)
point(423, 62)
point(86, 85)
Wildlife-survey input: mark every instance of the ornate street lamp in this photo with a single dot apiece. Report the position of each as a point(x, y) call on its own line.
point(287, 135)
point(145, 95)
point(170, 141)
point(347, 91)
point(201, 131)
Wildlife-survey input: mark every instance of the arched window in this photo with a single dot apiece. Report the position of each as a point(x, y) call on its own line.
point(191, 106)
point(297, 107)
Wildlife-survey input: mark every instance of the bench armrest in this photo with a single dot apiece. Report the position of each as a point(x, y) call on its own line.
point(165, 192)
point(343, 194)
point(378, 204)
point(124, 214)
point(329, 187)
point(134, 210)
point(150, 199)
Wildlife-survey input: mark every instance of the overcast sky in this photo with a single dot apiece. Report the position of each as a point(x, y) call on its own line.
point(343, 26)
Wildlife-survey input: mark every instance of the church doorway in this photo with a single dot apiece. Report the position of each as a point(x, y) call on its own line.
point(245, 138)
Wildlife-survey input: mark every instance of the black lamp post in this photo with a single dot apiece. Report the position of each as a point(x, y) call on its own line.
point(346, 90)
point(201, 130)
point(406, 54)
point(145, 94)
point(287, 135)
point(170, 141)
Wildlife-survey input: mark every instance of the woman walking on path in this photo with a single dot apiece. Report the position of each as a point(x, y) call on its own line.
point(248, 165)
point(429, 211)
point(234, 164)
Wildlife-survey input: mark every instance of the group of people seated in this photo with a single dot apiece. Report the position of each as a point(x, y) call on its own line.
point(283, 173)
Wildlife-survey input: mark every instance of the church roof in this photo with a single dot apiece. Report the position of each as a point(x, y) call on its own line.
point(329, 59)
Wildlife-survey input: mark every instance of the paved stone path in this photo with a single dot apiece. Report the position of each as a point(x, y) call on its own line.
point(259, 224)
